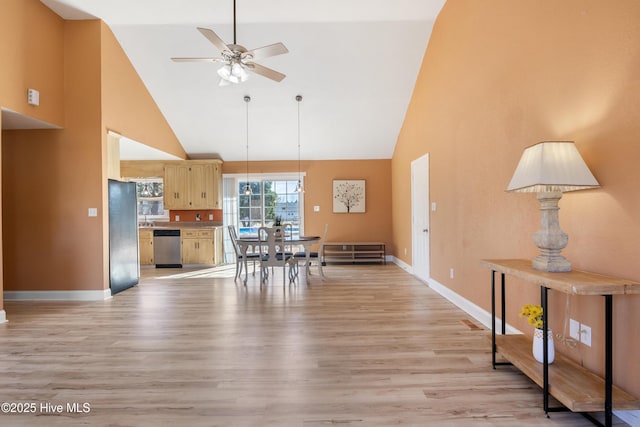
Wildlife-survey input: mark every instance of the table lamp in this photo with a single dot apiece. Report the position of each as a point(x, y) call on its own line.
point(550, 168)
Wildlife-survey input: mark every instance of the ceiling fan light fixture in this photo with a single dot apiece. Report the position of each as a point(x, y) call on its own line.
point(232, 73)
point(225, 72)
point(238, 61)
point(238, 71)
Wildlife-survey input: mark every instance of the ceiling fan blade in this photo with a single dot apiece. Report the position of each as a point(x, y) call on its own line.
point(266, 51)
point(213, 38)
point(198, 59)
point(266, 72)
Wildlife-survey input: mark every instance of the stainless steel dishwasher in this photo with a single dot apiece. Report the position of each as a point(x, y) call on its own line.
point(166, 248)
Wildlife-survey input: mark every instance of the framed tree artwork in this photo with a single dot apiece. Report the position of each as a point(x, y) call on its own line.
point(349, 196)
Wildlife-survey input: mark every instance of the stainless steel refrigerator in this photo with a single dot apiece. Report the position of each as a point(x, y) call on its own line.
point(124, 265)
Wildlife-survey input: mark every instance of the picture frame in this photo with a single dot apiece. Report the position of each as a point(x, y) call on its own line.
point(349, 196)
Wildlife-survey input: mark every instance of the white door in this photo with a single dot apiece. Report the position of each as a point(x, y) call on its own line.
point(420, 217)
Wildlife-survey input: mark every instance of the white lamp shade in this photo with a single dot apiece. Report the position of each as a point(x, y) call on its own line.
point(239, 72)
point(234, 73)
point(551, 166)
point(224, 72)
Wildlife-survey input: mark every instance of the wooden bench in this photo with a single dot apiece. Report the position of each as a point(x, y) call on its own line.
point(354, 252)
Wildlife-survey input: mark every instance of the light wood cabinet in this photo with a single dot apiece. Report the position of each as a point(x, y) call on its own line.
point(145, 245)
point(215, 179)
point(198, 246)
point(176, 186)
point(193, 185)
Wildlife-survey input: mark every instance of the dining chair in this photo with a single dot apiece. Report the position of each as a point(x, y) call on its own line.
point(287, 233)
point(239, 256)
point(271, 242)
point(315, 255)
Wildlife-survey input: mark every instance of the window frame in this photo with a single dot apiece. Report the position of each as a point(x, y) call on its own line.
point(230, 211)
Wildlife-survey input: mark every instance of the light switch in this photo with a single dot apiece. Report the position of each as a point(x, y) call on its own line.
point(433, 206)
point(316, 208)
point(93, 211)
point(177, 217)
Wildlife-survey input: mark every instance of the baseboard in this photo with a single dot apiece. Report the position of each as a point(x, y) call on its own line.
point(403, 265)
point(57, 295)
point(477, 312)
point(3, 316)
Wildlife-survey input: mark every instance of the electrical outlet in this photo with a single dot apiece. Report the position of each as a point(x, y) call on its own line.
point(405, 251)
point(316, 208)
point(451, 273)
point(585, 335)
point(574, 329)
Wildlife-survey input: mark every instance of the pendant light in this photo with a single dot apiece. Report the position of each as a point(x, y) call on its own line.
point(299, 187)
point(247, 188)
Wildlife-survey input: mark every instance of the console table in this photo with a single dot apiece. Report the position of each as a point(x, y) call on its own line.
point(574, 386)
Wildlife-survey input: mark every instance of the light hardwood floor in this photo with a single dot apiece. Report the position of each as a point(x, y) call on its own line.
point(370, 346)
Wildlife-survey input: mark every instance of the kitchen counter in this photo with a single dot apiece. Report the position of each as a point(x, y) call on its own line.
point(179, 225)
point(201, 242)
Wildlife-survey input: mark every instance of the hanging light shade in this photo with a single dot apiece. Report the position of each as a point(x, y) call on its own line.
point(247, 188)
point(299, 187)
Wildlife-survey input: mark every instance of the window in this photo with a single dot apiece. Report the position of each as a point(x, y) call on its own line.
point(271, 202)
point(272, 195)
point(150, 199)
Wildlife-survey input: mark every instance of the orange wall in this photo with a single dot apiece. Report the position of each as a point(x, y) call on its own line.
point(51, 177)
point(127, 106)
point(374, 225)
point(499, 76)
point(31, 48)
point(1, 247)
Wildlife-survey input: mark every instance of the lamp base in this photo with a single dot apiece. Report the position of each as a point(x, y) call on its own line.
point(552, 264)
point(550, 239)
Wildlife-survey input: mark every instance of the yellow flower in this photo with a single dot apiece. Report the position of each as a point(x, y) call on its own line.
point(533, 313)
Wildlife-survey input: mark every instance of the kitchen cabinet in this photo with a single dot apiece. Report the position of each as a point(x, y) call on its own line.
point(198, 246)
point(175, 186)
point(145, 245)
point(193, 185)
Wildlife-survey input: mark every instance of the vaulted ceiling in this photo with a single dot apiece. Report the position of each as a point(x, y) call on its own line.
point(355, 63)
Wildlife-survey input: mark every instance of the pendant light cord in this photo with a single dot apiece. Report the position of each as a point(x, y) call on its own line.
point(247, 98)
point(299, 99)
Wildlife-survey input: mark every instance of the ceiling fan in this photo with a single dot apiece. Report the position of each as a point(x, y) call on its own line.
point(237, 59)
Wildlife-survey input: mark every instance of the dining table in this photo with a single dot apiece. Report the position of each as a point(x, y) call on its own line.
point(249, 242)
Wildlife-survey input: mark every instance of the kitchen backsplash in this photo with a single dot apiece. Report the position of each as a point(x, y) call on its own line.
point(195, 215)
